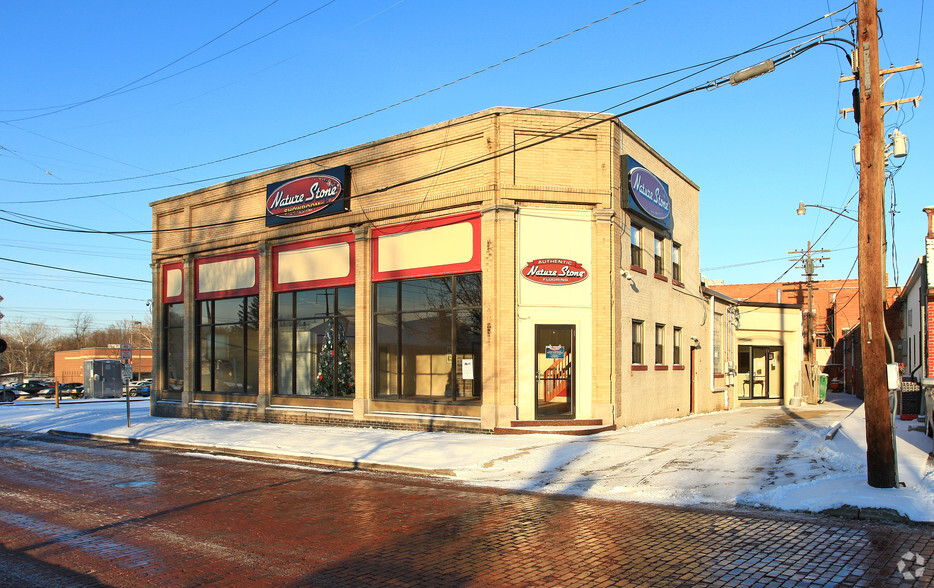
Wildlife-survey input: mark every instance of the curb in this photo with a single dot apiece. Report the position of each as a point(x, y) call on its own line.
point(348, 464)
point(848, 511)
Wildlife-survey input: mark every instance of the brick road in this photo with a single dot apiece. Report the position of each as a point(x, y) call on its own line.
point(80, 512)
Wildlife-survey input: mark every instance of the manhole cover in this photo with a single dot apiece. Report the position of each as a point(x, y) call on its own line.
point(134, 484)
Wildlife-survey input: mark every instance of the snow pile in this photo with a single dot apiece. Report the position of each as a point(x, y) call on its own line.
point(845, 484)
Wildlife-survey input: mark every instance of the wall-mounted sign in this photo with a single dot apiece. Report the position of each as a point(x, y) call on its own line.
point(554, 272)
point(317, 194)
point(554, 351)
point(650, 193)
point(648, 196)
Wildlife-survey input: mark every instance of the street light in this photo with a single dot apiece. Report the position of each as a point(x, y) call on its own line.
point(802, 209)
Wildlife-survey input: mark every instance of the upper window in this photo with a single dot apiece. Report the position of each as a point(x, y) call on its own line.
point(315, 342)
point(228, 345)
point(659, 255)
point(637, 335)
point(636, 247)
point(428, 338)
point(676, 262)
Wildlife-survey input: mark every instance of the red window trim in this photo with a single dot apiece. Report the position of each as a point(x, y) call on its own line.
point(639, 367)
point(227, 293)
point(677, 367)
point(179, 265)
point(659, 367)
point(660, 277)
point(473, 265)
point(638, 269)
point(677, 283)
point(347, 280)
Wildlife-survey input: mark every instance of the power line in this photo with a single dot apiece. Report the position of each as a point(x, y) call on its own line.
point(536, 140)
point(401, 102)
point(367, 115)
point(127, 87)
point(63, 269)
point(70, 291)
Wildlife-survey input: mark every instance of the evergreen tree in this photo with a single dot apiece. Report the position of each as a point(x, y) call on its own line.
point(334, 362)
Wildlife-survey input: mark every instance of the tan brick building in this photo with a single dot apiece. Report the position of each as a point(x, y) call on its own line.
point(502, 269)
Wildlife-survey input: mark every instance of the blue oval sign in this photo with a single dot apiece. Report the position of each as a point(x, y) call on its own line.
point(650, 193)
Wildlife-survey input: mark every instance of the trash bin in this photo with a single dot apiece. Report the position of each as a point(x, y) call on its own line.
point(909, 405)
point(822, 388)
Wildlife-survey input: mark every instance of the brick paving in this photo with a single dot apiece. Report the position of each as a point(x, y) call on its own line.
point(83, 513)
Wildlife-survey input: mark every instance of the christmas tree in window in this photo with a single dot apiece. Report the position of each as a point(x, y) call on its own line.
point(335, 370)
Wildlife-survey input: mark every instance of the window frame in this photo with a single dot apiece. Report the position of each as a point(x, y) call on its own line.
point(660, 344)
point(677, 341)
point(659, 254)
point(249, 319)
point(346, 320)
point(635, 248)
point(404, 371)
point(638, 342)
point(676, 262)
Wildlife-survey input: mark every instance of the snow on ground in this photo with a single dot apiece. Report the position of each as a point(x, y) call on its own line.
point(775, 457)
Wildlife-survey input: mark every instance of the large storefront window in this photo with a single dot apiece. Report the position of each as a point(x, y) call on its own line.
point(228, 345)
point(315, 342)
point(173, 356)
point(428, 338)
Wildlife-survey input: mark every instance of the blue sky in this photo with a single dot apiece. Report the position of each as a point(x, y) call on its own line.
point(95, 94)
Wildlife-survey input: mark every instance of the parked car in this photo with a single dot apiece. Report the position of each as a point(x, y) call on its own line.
point(74, 389)
point(8, 394)
point(143, 390)
point(135, 384)
point(35, 389)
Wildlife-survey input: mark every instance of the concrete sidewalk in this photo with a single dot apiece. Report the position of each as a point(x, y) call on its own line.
point(770, 456)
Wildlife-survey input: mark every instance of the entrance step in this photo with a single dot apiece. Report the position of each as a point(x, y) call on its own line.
point(555, 427)
point(763, 402)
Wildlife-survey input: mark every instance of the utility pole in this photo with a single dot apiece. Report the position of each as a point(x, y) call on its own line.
point(807, 261)
point(880, 446)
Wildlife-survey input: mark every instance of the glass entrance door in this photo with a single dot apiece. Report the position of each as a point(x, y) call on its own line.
point(759, 372)
point(554, 371)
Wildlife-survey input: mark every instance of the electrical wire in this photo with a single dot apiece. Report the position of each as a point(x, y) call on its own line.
point(544, 137)
point(70, 291)
point(63, 269)
point(412, 98)
point(126, 88)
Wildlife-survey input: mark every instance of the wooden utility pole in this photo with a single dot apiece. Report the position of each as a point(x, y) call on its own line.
point(880, 447)
point(807, 261)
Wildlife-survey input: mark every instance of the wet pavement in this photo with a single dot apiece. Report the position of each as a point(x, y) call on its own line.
point(83, 512)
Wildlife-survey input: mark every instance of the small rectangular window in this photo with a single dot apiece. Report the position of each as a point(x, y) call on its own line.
point(636, 247)
point(637, 342)
point(659, 255)
point(676, 262)
point(659, 344)
point(676, 346)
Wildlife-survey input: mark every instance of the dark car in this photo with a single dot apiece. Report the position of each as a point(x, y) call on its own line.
point(75, 389)
point(8, 394)
point(35, 389)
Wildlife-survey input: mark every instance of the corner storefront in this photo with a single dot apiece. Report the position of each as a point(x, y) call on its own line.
point(503, 269)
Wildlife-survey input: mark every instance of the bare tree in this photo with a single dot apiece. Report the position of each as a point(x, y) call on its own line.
point(29, 347)
point(81, 328)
